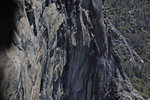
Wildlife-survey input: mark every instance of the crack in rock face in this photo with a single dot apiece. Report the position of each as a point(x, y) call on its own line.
point(61, 51)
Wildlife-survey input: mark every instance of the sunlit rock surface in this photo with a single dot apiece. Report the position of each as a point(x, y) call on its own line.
point(63, 51)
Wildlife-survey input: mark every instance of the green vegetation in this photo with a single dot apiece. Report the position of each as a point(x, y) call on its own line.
point(132, 19)
point(139, 76)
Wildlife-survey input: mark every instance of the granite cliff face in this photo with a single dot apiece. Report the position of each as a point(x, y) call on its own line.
point(63, 51)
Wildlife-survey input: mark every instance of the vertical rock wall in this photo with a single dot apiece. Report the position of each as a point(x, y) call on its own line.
point(62, 51)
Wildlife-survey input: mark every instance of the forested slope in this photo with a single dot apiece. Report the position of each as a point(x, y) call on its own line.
point(131, 18)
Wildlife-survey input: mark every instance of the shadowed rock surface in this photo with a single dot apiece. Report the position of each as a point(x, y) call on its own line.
point(7, 23)
point(63, 51)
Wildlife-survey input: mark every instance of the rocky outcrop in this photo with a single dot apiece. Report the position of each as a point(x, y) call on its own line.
point(62, 51)
point(120, 45)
